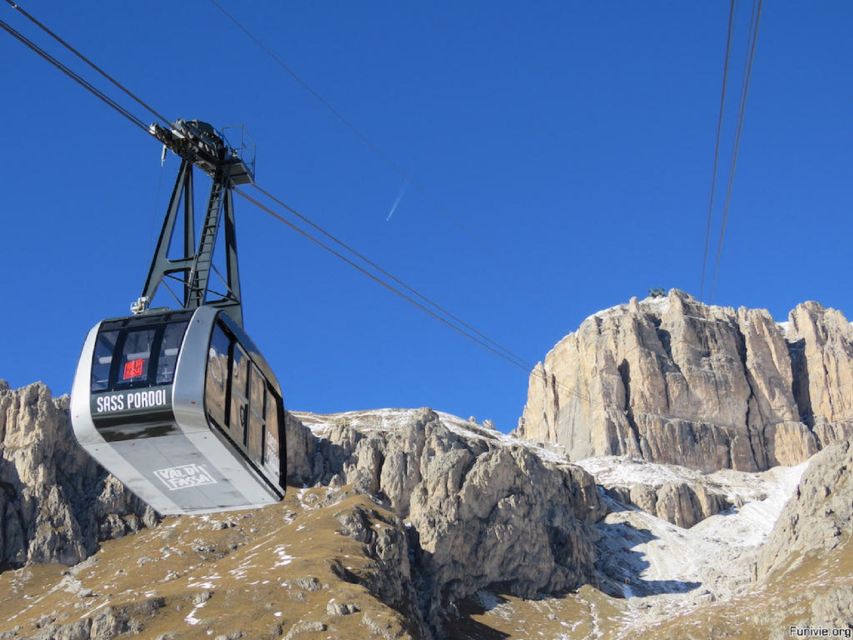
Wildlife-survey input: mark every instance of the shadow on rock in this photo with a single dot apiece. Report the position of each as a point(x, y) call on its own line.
point(621, 566)
point(464, 625)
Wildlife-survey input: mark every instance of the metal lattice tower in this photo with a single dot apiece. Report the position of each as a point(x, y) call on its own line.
point(199, 145)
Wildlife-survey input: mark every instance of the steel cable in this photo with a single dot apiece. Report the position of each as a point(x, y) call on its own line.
point(754, 24)
point(711, 196)
point(17, 7)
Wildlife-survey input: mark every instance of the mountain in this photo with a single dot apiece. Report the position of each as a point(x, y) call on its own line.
point(56, 502)
point(413, 523)
point(672, 380)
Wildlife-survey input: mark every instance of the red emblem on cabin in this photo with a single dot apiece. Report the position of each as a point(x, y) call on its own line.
point(133, 368)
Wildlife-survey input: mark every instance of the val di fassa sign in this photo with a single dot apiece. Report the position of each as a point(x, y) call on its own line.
point(185, 476)
point(132, 400)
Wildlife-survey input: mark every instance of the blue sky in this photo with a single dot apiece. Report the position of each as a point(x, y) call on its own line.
point(568, 144)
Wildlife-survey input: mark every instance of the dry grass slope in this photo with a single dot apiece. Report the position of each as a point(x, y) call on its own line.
point(268, 573)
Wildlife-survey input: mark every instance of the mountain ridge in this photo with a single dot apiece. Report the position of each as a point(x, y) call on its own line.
point(673, 380)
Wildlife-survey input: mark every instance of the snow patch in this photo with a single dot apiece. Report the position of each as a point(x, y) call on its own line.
point(662, 568)
point(284, 559)
point(623, 470)
point(494, 605)
point(191, 619)
point(751, 524)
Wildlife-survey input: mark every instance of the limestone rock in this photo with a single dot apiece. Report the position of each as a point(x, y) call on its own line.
point(300, 451)
point(822, 353)
point(56, 502)
point(676, 494)
point(391, 578)
point(482, 508)
point(681, 503)
point(676, 381)
point(818, 517)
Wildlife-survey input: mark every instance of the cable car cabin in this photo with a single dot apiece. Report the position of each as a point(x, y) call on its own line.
point(183, 409)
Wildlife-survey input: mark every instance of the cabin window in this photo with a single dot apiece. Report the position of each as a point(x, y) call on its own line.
point(271, 444)
point(103, 359)
point(132, 356)
point(239, 399)
point(173, 334)
point(135, 357)
point(257, 391)
point(216, 380)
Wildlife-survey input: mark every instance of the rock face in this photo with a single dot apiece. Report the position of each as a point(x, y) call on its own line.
point(676, 381)
point(817, 519)
point(481, 509)
point(676, 494)
point(821, 343)
point(56, 502)
point(681, 503)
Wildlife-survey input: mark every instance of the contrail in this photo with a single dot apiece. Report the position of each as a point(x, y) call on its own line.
point(399, 197)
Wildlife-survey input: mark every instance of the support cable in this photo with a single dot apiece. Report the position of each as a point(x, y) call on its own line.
point(372, 146)
point(316, 94)
point(389, 275)
point(754, 24)
point(485, 343)
point(732, 6)
point(376, 279)
point(17, 7)
point(74, 76)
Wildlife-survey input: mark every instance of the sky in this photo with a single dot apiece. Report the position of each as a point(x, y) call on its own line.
point(547, 160)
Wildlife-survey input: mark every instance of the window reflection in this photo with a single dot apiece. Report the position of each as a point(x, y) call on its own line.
point(169, 347)
point(103, 359)
point(216, 380)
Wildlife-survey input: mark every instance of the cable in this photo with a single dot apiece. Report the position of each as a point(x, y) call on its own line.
point(389, 275)
point(754, 24)
point(376, 149)
point(475, 335)
point(74, 76)
point(302, 83)
point(378, 280)
point(717, 146)
point(68, 46)
point(485, 342)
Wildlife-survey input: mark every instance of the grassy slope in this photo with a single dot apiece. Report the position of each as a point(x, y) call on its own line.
point(261, 572)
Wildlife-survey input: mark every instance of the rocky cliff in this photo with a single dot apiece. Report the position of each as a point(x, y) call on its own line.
point(678, 495)
point(801, 577)
point(817, 520)
point(673, 380)
point(482, 508)
point(56, 502)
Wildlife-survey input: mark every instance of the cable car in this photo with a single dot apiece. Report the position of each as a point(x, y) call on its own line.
point(180, 404)
point(184, 409)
